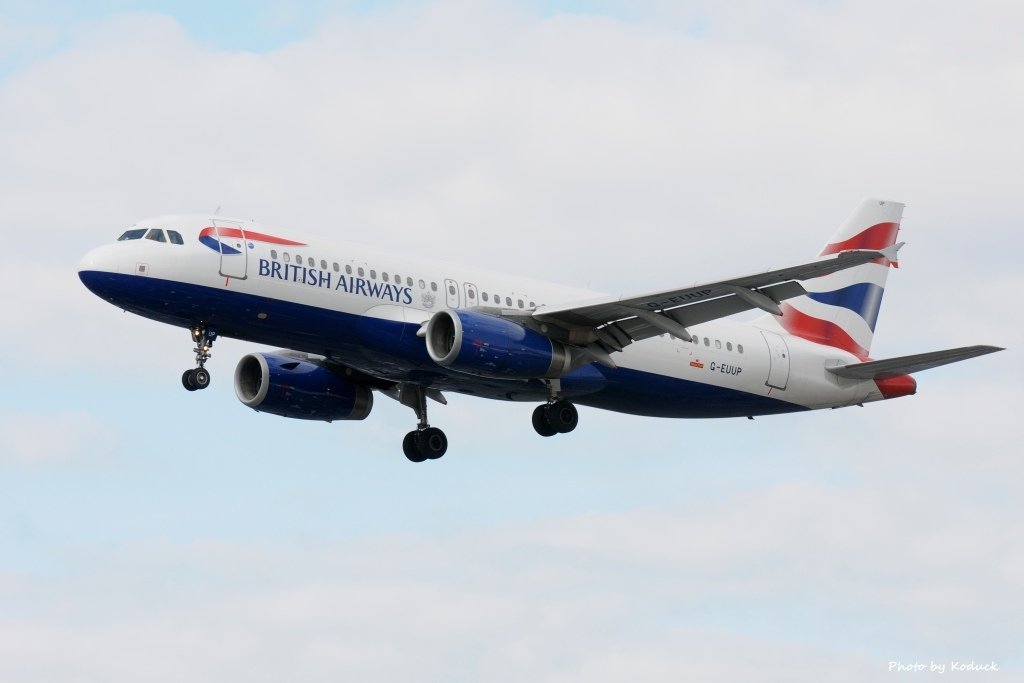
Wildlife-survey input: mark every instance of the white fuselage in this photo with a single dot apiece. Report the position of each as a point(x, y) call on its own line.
point(362, 307)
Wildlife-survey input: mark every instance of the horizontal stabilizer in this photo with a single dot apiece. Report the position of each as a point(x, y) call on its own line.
point(905, 365)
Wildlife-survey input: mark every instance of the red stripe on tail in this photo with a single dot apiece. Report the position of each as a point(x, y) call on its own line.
point(819, 331)
point(876, 237)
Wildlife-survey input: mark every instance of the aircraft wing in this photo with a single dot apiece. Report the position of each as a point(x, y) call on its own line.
point(614, 322)
point(905, 365)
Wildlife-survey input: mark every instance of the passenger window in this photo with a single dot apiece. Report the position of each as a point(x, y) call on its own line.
point(433, 286)
point(533, 305)
point(484, 295)
point(408, 282)
point(718, 344)
point(156, 235)
point(398, 279)
point(728, 346)
point(520, 302)
point(707, 342)
point(472, 294)
point(287, 258)
point(423, 285)
point(175, 237)
point(508, 301)
point(384, 277)
point(348, 270)
point(451, 289)
point(336, 268)
point(311, 262)
point(361, 272)
point(323, 264)
point(739, 347)
point(273, 254)
point(373, 274)
point(132, 235)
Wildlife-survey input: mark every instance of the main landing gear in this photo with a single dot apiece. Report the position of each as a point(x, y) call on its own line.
point(425, 442)
point(199, 376)
point(557, 416)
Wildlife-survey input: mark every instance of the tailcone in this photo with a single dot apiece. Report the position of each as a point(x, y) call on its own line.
point(896, 386)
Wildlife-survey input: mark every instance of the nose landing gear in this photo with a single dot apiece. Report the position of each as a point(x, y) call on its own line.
point(199, 377)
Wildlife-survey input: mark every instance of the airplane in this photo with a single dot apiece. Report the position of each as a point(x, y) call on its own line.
point(353, 321)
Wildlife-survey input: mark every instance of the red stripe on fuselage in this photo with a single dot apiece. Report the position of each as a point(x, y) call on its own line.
point(250, 235)
point(819, 331)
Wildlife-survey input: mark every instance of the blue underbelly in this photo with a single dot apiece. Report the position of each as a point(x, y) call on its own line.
point(391, 350)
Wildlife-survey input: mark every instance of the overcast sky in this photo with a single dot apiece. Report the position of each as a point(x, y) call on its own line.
point(148, 533)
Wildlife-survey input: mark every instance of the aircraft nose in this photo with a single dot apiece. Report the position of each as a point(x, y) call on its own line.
point(96, 267)
point(88, 261)
point(101, 259)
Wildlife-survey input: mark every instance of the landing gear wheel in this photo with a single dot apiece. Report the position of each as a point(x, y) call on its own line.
point(197, 378)
point(411, 448)
point(540, 422)
point(562, 416)
point(200, 378)
point(431, 442)
point(425, 442)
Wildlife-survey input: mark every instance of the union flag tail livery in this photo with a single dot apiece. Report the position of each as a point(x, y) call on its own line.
point(356, 322)
point(840, 310)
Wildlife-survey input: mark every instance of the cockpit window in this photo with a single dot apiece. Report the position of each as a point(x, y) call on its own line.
point(175, 237)
point(132, 235)
point(156, 235)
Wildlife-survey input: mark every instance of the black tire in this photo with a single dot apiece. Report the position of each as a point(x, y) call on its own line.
point(201, 378)
point(432, 443)
point(186, 380)
point(540, 422)
point(411, 448)
point(562, 416)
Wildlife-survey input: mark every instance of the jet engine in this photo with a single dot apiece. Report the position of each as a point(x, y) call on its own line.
point(490, 346)
point(294, 385)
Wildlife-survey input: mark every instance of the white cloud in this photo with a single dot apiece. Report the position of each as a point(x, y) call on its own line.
point(36, 438)
point(827, 578)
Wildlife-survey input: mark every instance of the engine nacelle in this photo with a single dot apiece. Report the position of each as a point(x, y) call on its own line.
point(299, 387)
point(489, 346)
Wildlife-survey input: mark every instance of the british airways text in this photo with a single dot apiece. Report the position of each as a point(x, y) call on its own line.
point(324, 279)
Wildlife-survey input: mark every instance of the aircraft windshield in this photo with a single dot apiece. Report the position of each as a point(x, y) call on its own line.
point(155, 234)
point(132, 235)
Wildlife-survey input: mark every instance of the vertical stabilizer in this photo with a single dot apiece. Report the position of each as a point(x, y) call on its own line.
point(841, 309)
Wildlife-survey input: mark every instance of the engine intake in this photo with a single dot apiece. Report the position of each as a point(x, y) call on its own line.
point(489, 346)
point(299, 387)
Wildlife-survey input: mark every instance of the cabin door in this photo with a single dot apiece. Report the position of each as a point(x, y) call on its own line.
point(234, 249)
point(778, 354)
point(451, 291)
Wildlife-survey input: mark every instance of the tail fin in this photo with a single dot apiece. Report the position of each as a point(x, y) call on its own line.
point(841, 309)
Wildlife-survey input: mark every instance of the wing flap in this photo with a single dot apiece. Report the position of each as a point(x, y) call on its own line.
point(639, 329)
point(724, 297)
point(905, 365)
